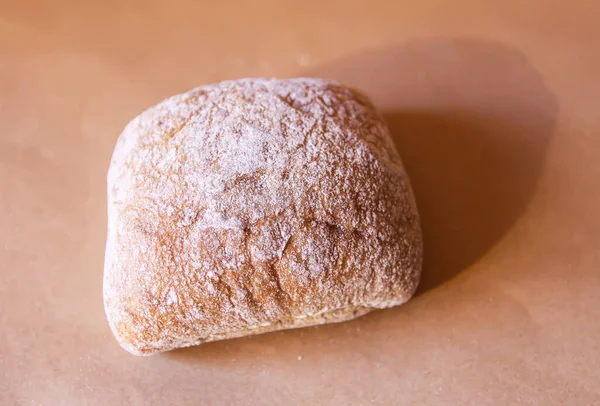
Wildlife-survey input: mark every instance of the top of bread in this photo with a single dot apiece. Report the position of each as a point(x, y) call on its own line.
point(252, 202)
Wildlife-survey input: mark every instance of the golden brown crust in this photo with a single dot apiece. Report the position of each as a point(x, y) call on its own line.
point(255, 205)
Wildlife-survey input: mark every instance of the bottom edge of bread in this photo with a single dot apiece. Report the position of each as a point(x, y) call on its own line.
point(322, 317)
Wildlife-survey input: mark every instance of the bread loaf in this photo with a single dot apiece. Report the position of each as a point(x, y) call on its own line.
point(251, 206)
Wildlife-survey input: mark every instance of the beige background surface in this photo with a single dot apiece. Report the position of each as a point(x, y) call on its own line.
point(494, 108)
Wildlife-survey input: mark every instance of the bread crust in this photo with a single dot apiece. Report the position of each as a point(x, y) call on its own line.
point(255, 205)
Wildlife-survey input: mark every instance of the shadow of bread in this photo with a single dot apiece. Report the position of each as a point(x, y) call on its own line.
point(472, 120)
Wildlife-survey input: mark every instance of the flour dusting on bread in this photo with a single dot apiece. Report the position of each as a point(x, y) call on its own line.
point(255, 205)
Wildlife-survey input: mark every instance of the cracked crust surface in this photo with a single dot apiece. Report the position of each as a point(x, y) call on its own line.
point(255, 205)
